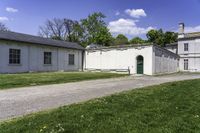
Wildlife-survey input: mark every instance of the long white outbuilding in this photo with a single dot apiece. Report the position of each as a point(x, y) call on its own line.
point(138, 59)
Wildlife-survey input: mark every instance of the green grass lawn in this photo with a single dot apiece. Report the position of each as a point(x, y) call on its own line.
point(32, 79)
point(167, 108)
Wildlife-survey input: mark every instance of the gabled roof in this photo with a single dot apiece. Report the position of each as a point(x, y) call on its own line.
point(19, 37)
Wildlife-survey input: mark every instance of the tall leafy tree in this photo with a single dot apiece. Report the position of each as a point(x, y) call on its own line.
point(156, 37)
point(95, 30)
point(103, 37)
point(77, 33)
point(170, 37)
point(121, 39)
point(3, 27)
point(137, 40)
point(161, 38)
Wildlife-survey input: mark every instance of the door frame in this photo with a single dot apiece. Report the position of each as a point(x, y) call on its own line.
point(137, 64)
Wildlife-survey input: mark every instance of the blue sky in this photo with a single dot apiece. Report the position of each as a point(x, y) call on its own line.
point(130, 17)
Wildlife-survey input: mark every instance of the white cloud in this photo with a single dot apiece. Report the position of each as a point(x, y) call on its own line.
point(3, 19)
point(127, 27)
point(12, 10)
point(192, 29)
point(136, 13)
point(117, 13)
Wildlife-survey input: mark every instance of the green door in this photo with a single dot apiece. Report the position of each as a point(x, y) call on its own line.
point(140, 63)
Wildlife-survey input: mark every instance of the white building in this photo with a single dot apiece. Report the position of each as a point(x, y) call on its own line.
point(146, 59)
point(26, 53)
point(188, 50)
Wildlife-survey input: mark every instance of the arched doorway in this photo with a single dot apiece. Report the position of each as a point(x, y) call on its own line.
point(140, 65)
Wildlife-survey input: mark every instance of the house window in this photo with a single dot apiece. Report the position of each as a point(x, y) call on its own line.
point(185, 46)
point(185, 64)
point(71, 59)
point(14, 56)
point(47, 58)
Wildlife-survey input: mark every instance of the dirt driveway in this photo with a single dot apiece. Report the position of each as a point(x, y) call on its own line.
point(22, 101)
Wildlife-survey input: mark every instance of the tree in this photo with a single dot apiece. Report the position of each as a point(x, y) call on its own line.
point(161, 38)
point(74, 31)
point(156, 37)
point(121, 39)
point(53, 29)
point(61, 29)
point(95, 30)
point(170, 37)
point(103, 37)
point(3, 27)
point(137, 40)
point(77, 33)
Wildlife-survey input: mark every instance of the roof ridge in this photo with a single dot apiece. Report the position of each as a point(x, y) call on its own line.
point(35, 36)
point(21, 37)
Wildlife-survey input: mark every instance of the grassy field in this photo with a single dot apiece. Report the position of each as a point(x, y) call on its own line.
point(32, 79)
point(167, 108)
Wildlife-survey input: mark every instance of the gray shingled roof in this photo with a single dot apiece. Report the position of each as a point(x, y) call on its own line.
point(172, 44)
point(13, 36)
point(194, 34)
point(188, 36)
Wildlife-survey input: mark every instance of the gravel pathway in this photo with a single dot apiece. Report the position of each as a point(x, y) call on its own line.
point(21, 101)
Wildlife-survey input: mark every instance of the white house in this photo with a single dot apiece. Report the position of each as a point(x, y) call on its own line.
point(189, 50)
point(139, 59)
point(26, 53)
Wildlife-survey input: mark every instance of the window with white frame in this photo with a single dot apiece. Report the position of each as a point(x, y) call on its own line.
point(14, 56)
point(71, 59)
point(47, 58)
point(185, 46)
point(185, 64)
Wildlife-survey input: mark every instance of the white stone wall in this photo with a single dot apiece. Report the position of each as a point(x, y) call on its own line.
point(32, 58)
point(193, 55)
point(119, 58)
point(165, 61)
point(156, 60)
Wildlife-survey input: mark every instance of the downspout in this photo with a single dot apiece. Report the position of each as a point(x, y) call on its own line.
point(57, 59)
point(83, 60)
point(154, 60)
point(29, 59)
